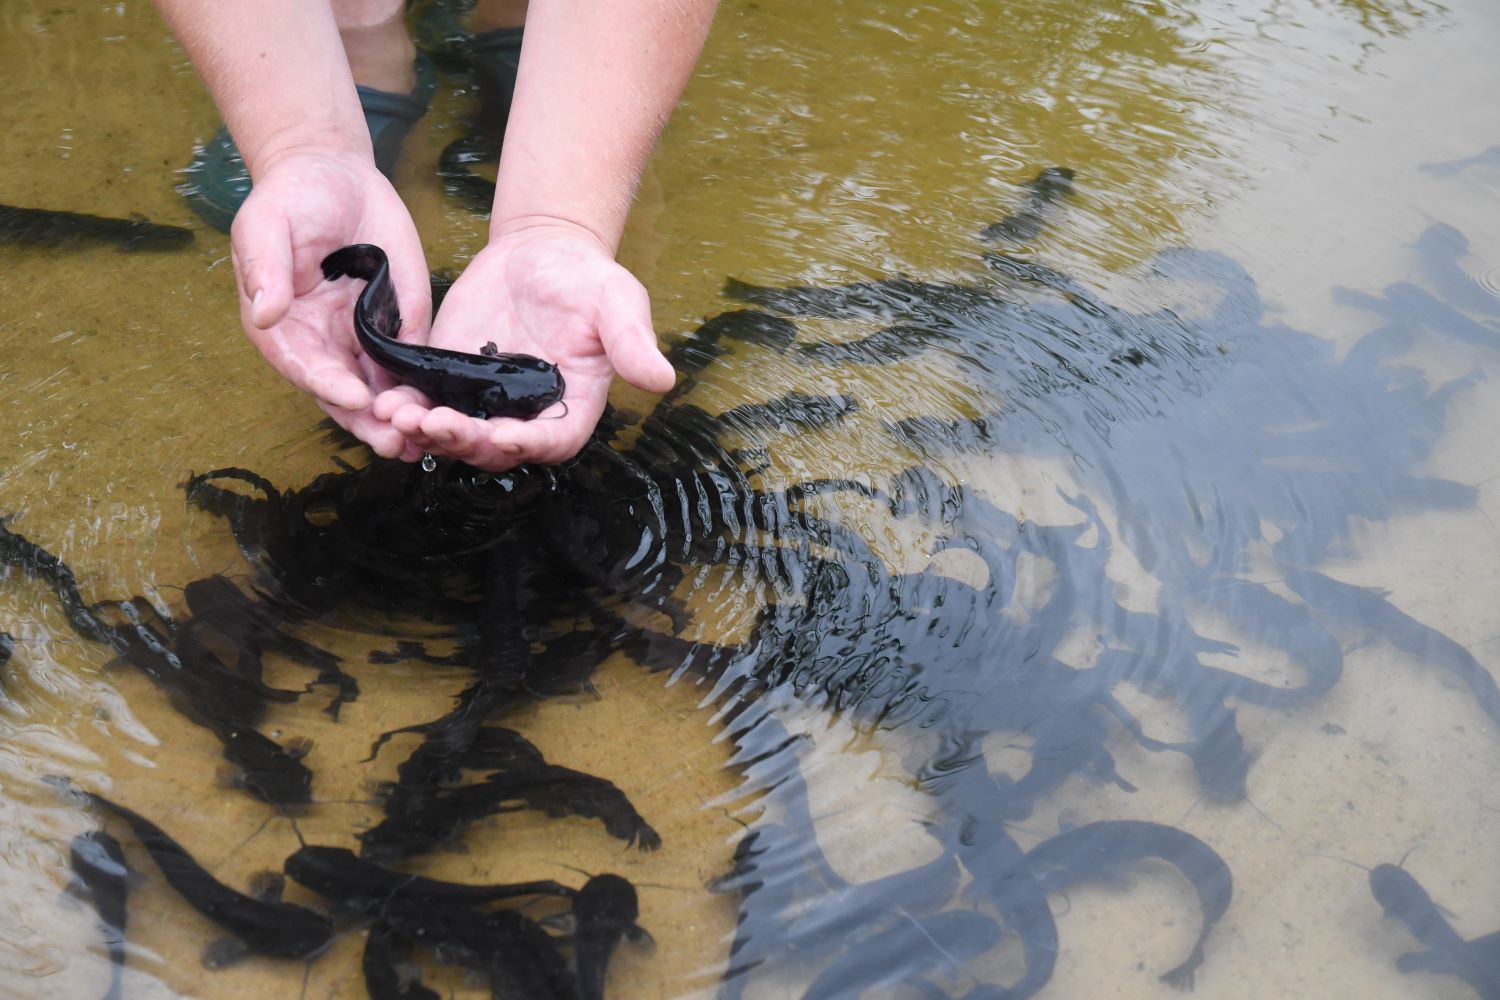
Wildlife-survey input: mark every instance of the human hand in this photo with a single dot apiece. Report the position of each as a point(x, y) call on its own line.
point(550, 289)
point(305, 204)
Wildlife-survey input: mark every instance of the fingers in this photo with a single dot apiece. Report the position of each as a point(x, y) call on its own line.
point(413, 289)
point(625, 330)
point(499, 444)
point(556, 435)
point(394, 400)
point(383, 439)
point(261, 244)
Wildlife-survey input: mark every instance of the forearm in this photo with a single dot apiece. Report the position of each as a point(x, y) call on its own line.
point(597, 83)
point(276, 70)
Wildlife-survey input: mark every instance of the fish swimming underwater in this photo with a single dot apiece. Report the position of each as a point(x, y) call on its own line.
point(489, 384)
point(266, 926)
point(604, 912)
point(1042, 191)
point(518, 956)
point(99, 864)
point(42, 227)
point(1477, 962)
point(1098, 850)
point(358, 885)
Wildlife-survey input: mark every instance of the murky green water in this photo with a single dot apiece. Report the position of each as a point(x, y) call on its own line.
point(818, 144)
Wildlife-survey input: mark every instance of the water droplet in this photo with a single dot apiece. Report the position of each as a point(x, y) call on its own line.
point(428, 462)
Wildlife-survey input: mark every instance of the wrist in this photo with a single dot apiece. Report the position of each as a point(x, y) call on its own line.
point(326, 141)
point(521, 226)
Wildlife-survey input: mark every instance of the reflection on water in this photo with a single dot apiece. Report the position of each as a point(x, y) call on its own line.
point(975, 564)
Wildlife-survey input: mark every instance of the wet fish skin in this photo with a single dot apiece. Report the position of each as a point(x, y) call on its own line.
point(562, 791)
point(42, 227)
point(98, 861)
point(1097, 850)
point(421, 819)
point(521, 959)
point(271, 929)
point(338, 874)
point(604, 912)
point(483, 385)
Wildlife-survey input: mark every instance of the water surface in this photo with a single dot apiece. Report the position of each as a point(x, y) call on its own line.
point(1273, 431)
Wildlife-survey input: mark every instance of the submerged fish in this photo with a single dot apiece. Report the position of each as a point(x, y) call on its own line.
point(42, 227)
point(489, 384)
point(338, 874)
point(420, 818)
point(266, 927)
point(7, 647)
point(1476, 962)
point(604, 912)
point(39, 564)
point(1098, 850)
point(99, 864)
point(512, 949)
point(384, 978)
point(1041, 191)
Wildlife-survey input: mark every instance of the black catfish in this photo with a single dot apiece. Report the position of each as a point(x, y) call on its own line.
point(99, 863)
point(1098, 850)
point(338, 874)
point(1041, 191)
point(519, 957)
point(43, 227)
point(7, 647)
point(489, 384)
point(1477, 962)
point(420, 819)
point(604, 912)
point(258, 926)
point(39, 564)
point(383, 979)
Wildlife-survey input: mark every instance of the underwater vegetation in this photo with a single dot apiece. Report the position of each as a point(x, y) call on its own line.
point(1213, 435)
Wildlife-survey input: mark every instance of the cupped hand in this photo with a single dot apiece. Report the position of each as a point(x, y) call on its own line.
point(305, 204)
point(550, 289)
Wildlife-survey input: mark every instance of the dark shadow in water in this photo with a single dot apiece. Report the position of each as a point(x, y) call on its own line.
point(1484, 158)
point(1196, 431)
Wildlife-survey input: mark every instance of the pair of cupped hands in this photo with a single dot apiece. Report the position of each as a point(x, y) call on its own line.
point(543, 286)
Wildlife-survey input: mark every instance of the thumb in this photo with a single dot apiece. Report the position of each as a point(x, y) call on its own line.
point(261, 244)
point(625, 330)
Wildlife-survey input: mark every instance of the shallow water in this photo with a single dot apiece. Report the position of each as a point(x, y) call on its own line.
point(1271, 429)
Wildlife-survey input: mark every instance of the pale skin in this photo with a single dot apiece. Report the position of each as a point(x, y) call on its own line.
point(597, 82)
